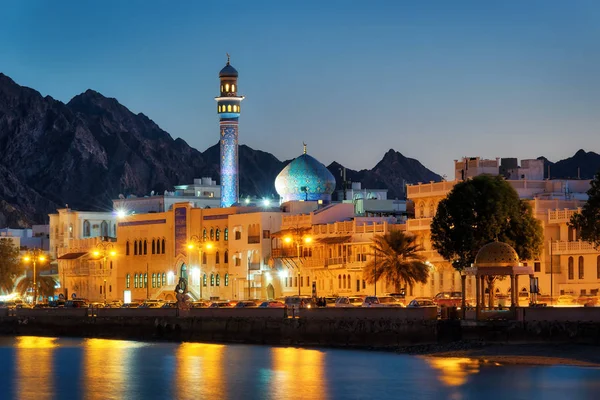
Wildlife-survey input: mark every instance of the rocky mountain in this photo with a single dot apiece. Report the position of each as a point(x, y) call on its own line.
point(88, 151)
point(583, 165)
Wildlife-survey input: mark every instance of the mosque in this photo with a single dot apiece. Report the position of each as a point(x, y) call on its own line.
point(307, 244)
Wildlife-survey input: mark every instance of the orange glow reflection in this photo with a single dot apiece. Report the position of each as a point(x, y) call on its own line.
point(200, 371)
point(34, 367)
point(298, 371)
point(453, 371)
point(106, 361)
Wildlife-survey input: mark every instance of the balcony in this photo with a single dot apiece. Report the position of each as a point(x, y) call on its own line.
point(429, 189)
point(254, 239)
point(561, 216)
point(575, 248)
point(418, 224)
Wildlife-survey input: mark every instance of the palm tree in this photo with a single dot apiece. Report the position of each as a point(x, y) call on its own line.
point(397, 260)
point(46, 285)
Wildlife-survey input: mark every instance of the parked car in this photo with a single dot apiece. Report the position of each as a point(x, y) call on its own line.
point(113, 304)
point(221, 304)
point(330, 301)
point(272, 304)
point(151, 304)
point(381, 301)
point(523, 299)
point(246, 304)
point(296, 302)
point(56, 304)
point(419, 302)
point(8, 304)
point(133, 304)
point(42, 305)
point(199, 304)
point(448, 299)
point(169, 304)
point(566, 300)
point(76, 303)
point(349, 301)
point(96, 304)
point(587, 300)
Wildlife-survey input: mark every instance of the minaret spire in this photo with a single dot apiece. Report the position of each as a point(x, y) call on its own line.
point(304, 147)
point(228, 57)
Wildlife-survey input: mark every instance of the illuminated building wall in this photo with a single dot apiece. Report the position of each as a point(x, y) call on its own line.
point(228, 107)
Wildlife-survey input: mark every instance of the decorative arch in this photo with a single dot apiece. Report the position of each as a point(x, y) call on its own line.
point(87, 228)
point(570, 271)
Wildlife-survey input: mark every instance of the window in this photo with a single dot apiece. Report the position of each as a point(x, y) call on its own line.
point(109, 288)
point(580, 268)
point(135, 248)
point(145, 280)
point(364, 284)
point(308, 281)
point(234, 108)
point(153, 246)
point(164, 279)
point(226, 279)
point(222, 88)
point(204, 237)
point(204, 280)
point(232, 87)
point(220, 106)
point(537, 266)
point(212, 234)
point(135, 281)
point(127, 248)
point(212, 279)
point(238, 261)
point(127, 280)
point(104, 228)
point(570, 271)
point(266, 234)
point(238, 235)
point(145, 247)
point(226, 257)
point(163, 246)
point(204, 258)
point(153, 280)
point(228, 107)
point(218, 280)
point(227, 87)
point(226, 234)
point(339, 281)
point(158, 280)
point(217, 234)
point(100, 289)
point(86, 228)
point(217, 258)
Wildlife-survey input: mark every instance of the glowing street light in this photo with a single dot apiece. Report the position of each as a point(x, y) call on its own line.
point(34, 256)
point(298, 239)
point(196, 243)
point(103, 250)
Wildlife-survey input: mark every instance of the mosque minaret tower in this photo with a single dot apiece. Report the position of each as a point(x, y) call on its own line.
point(228, 107)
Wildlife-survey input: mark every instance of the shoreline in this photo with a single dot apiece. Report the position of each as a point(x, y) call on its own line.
point(540, 354)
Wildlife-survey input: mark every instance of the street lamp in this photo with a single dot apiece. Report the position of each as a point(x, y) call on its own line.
point(197, 243)
point(298, 239)
point(34, 256)
point(103, 250)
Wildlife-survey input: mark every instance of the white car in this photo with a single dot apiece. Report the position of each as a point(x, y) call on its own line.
point(348, 302)
point(381, 301)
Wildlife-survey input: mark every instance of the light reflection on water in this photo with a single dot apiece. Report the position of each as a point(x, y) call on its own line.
point(50, 368)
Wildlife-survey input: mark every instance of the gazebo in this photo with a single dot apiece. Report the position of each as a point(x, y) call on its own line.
point(493, 260)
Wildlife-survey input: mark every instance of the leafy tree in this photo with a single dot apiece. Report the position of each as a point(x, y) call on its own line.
point(587, 222)
point(398, 260)
point(479, 211)
point(10, 265)
point(45, 283)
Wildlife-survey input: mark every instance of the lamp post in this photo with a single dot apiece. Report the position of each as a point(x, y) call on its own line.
point(297, 239)
point(103, 250)
point(375, 266)
point(196, 243)
point(34, 256)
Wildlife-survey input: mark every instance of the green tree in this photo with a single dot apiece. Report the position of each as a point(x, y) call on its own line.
point(45, 283)
point(479, 211)
point(587, 222)
point(398, 260)
point(10, 265)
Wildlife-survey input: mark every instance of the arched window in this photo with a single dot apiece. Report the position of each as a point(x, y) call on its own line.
point(158, 280)
point(86, 228)
point(163, 247)
point(570, 271)
point(70, 230)
point(339, 281)
point(232, 87)
point(218, 234)
point(227, 87)
point(153, 246)
point(153, 280)
point(226, 257)
point(104, 228)
point(127, 280)
point(220, 106)
point(140, 248)
point(308, 281)
point(217, 258)
point(145, 280)
point(228, 107)
point(135, 281)
point(226, 279)
point(204, 258)
point(164, 279)
point(145, 246)
point(422, 209)
point(580, 267)
point(234, 108)
point(212, 234)
point(127, 248)
point(135, 247)
point(204, 280)
point(212, 279)
point(218, 280)
point(344, 281)
point(431, 210)
point(226, 234)
point(204, 235)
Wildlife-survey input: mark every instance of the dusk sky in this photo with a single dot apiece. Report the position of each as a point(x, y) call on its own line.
point(435, 80)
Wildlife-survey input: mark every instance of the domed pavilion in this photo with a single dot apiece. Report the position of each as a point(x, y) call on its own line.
point(493, 260)
point(305, 179)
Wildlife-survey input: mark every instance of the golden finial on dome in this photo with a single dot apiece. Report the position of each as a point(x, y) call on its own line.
point(304, 147)
point(228, 56)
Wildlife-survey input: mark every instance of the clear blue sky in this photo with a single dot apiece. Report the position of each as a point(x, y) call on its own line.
point(435, 80)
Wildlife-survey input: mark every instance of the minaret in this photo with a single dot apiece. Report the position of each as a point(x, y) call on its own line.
point(228, 107)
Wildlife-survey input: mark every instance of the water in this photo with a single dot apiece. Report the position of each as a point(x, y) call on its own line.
point(49, 368)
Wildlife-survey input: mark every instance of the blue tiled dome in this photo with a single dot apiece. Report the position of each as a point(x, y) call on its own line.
point(305, 178)
point(228, 72)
